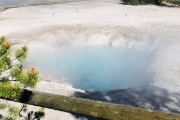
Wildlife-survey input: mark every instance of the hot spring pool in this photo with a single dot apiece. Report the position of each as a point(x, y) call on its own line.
point(97, 68)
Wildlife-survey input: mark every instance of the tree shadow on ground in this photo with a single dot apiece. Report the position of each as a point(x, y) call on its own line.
point(26, 96)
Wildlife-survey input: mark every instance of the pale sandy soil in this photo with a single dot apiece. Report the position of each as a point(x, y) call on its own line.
point(90, 20)
point(56, 88)
point(29, 20)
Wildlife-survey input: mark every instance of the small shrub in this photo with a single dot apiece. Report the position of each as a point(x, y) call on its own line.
point(145, 2)
point(176, 2)
point(142, 2)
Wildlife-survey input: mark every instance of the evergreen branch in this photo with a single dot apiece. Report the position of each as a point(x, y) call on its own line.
point(3, 53)
point(16, 57)
point(7, 69)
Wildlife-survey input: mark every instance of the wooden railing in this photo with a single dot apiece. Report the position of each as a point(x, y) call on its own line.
point(92, 108)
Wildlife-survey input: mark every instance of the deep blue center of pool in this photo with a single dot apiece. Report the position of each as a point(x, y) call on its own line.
point(97, 68)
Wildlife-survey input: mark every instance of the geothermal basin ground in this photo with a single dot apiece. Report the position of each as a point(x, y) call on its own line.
point(102, 50)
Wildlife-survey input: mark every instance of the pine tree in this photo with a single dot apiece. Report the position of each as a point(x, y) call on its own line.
point(14, 79)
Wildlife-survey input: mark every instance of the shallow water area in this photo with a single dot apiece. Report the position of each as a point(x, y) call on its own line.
point(17, 3)
point(97, 68)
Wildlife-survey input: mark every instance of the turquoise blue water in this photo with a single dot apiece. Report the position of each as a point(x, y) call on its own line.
point(16, 3)
point(97, 68)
